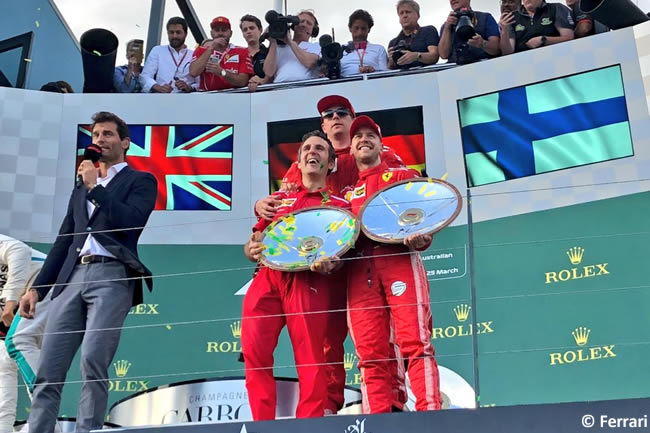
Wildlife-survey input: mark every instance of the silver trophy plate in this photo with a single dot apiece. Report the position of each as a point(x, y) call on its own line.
point(419, 205)
point(294, 241)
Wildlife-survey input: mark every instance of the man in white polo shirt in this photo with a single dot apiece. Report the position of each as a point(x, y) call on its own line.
point(366, 57)
point(167, 68)
point(294, 59)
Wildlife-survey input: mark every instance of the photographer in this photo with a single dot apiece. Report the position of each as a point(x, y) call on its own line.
point(222, 65)
point(251, 29)
point(585, 24)
point(366, 57)
point(294, 59)
point(535, 25)
point(415, 45)
point(126, 77)
point(454, 44)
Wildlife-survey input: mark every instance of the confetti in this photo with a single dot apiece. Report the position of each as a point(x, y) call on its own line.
point(37, 24)
point(444, 176)
point(97, 53)
point(265, 162)
point(168, 327)
point(28, 60)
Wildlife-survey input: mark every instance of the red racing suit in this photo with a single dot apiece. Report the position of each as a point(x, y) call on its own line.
point(276, 298)
point(393, 277)
point(343, 177)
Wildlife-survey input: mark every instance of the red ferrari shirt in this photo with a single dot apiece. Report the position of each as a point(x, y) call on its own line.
point(234, 59)
point(300, 199)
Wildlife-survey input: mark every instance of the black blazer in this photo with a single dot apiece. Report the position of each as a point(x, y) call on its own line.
point(127, 201)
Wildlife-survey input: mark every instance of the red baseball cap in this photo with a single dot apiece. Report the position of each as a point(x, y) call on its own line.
point(220, 21)
point(334, 101)
point(364, 122)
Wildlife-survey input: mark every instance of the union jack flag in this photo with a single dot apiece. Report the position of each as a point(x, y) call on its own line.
point(192, 163)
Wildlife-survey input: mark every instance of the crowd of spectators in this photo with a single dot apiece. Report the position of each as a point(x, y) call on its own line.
point(466, 36)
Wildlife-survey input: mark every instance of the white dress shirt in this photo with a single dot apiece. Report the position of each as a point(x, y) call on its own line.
point(290, 68)
point(374, 55)
point(163, 64)
point(91, 246)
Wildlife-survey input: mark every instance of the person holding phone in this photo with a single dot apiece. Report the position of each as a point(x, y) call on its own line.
point(126, 77)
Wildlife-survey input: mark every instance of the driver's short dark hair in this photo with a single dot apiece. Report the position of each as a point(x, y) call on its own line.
point(362, 15)
point(319, 134)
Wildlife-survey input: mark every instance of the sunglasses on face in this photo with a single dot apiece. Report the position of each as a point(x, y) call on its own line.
point(340, 112)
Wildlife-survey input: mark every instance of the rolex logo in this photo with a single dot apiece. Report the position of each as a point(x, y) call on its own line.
point(576, 272)
point(235, 328)
point(121, 367)
point(462, 312)
point(575, 255)
point(582, 353)
point(581, 335)
point(348, 361)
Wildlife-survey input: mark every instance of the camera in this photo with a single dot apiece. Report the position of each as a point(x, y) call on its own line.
point(465, 26)
point(398, 50)
point(279, 25)
point(331, 54)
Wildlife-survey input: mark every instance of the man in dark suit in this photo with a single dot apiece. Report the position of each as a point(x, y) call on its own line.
point(93, 275)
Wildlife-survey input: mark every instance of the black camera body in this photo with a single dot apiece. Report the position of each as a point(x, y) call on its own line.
point(279, 25)
point(331, 54)
point(465, 26)
point(398, 50)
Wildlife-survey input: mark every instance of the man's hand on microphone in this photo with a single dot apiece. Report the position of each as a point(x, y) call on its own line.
point(88, 173)
point(27, 307)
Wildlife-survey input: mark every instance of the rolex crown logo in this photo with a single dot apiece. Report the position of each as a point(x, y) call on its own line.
point(348, 361)
point(581, 335)
point(462, 312)
point(121, 367)
point(235, 327)
point(575, 255)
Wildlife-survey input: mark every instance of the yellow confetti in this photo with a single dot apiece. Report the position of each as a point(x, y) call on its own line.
point(421, 191)
point(168, 327)
point(322, 253)
point(429, 180)
point(430, 193)
point(37, 24)
point(444, 176)
point(409, 186)
point(28, 60)
point(339, 242)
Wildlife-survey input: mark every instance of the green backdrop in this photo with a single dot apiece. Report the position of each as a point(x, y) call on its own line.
point(526, 314)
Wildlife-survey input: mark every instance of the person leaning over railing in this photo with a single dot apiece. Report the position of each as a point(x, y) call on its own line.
point(221, 65)
point(483, 45)
point(251, 29)
point(535, 25)
point(294, 59)
point(414, 45)
point(585, 24)
point(166, 69)
point(126, 78)
point(366, 57)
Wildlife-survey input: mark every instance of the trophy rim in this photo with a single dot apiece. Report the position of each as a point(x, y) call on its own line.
point(384, 240)
point(345, 248)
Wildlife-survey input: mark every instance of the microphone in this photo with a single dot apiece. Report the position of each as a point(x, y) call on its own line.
point(92, 154)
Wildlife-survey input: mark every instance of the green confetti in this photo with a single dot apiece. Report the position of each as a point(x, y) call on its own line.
point(97, 53)
point(265, 162)
point(321, 165)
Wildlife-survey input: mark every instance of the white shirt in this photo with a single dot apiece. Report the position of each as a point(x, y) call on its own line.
point(290, 68)
point(91, 246)
point(374, 55)
point(19, 265)
point(163, 64)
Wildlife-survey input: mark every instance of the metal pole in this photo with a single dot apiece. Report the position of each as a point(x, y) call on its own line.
point(472, 282)
point(155, 24)
point(192, 19)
